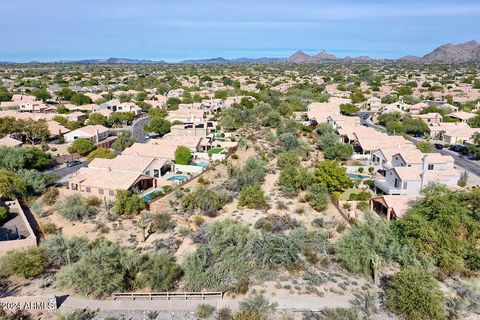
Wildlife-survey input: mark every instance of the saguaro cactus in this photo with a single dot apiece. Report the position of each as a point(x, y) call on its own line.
point(142, 226)
point(375, 268)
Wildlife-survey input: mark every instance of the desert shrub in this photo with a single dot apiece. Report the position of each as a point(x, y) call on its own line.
point(159, 272)
point(253, 171)
point(58, 250)
point(205, 199)
point(50, 195)
point(360, 196)
point(362, 205)
point(106, 268)
point(280, 223)
point(249, 315)
point(4, 214)
point(415, 295)
point(318, 197)
point(443, 226)
point(204, 310)
point(367, 303)
point(258, 303)
point(374, 237)
point(340, 314)
point(224, 314)
point(28, 263)
point(360, 170)
point(93, 201)
point(293, 179)
point(74, 208)
point(270, 250)
point(252, 197)
point(288, 158)
point(314, 278)
point(126, 202)
point(223, 258)
point(49, 228)
point(162, 222)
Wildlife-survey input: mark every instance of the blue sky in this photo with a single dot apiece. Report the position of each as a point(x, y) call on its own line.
point(49, 30)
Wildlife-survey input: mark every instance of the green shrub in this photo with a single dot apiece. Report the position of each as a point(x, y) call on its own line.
point(205, 199)
point(4, 214)
point(374, 237)
point(204, 310)
point(258, 303)
point(126, 202)
point(182, 155)
point(252, 197)
point(318, 197)
point(223, 260)
point(59, 250)
point(415, 295)
point(74, 208)
point(249, 315)
point(275, 250)
point(162, 222)
point(28, 263)
point(360, 196)
point(106, 268)
point(159, 272)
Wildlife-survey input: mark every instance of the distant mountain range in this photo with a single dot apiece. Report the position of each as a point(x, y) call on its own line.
point(221, 60)
point(447, 53)
point(463, 52)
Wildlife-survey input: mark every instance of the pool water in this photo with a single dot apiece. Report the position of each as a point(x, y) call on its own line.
point(357, 176)
point(202, 164)
point(180, 178)
point(152, 195)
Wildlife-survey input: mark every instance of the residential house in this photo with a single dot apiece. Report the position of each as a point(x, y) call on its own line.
point(462, 116)
point(432, 117)
point(96, 133)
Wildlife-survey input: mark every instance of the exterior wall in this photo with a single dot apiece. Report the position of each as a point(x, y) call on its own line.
point(72, 136)
point(86, 191)
point(378, 158)
point(28, 242)
point(412, 187)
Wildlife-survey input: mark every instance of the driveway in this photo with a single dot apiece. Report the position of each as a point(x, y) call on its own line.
point(63, 172)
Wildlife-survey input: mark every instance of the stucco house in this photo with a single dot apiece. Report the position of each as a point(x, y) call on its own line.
point(96, 133)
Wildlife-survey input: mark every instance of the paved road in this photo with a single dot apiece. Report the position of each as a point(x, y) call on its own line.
point(137, 129)
point(459, 159)
point(63, 172)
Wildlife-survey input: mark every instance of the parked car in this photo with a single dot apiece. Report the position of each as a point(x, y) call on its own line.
point(74, 163)
point(438, 146)
point(456, 148)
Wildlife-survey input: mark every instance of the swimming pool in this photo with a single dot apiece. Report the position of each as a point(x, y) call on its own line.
point(357, 176)
point(152, 195)
point(202, 164)
point(179, 178)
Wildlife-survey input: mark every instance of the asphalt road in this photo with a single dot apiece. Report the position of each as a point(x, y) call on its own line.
point(63, 172)
point(137, 129)
point(459, 159)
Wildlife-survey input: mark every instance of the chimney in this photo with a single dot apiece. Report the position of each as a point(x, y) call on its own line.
point(97, 136)
point(424, 172)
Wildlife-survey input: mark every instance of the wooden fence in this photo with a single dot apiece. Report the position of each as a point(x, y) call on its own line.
point(167, 295)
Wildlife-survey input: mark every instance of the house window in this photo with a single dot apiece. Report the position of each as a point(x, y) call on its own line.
point(430, 167)
point(111, 192)
point(397, 183)
point(88, 189)
point(100, 191)
point(405, 185)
